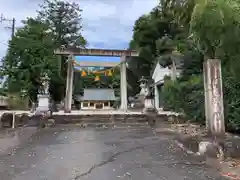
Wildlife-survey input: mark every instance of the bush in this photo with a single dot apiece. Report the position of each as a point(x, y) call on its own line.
point(171, 92)
point(16, 102)
point(186, 97)
point(231, 86)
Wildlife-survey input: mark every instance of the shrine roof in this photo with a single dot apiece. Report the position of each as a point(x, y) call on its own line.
point(99, 95)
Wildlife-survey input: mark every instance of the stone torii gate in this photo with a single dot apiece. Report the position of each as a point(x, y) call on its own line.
point(72, 52)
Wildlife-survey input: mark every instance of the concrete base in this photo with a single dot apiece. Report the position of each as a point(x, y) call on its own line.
point(43, 103)
point(211, 149)
point(149, 104)
point(150, 111)
point(204, 146)
point(67, 111)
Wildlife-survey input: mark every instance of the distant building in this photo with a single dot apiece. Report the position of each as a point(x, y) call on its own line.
point(96, 99)
point(158, 76)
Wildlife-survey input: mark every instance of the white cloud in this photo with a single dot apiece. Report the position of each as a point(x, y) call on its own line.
point(106, 23)
point(19, 10)
point(114, 22)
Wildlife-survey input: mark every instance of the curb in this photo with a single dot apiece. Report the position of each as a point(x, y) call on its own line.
point(203, 145)
point(228, 175)
point(186, 149)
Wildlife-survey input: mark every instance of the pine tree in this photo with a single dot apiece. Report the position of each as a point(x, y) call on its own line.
point(64, 20)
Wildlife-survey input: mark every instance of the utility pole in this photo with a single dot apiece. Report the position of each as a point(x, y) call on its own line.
point(12, 26)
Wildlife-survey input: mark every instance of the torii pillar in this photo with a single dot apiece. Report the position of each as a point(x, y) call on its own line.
point(69, 85)
point(123, 83)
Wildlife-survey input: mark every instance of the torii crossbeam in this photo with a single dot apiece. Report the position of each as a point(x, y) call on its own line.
point(96, 52)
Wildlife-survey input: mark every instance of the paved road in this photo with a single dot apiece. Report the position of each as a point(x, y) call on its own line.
point(72, 153)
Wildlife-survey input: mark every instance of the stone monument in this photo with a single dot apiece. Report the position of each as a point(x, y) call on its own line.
point(43, 96)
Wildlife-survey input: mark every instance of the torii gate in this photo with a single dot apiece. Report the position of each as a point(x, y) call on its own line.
point(72, 52)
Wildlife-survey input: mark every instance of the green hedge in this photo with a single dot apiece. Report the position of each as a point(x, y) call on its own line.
point(16, 102)
point(231, 96)
point(186, 97)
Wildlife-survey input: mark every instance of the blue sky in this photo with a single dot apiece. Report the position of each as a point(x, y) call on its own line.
point(106, 23)
point(97, 58)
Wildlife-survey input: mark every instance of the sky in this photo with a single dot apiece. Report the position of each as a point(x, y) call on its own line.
point(106, 23)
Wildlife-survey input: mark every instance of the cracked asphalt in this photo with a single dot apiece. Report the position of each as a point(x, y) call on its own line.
point(74, 153)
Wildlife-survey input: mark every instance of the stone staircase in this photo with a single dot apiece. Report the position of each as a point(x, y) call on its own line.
point(102, 120)
point(93, 120)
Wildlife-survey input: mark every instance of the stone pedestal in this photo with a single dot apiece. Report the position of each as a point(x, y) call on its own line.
point(148, 104)
point(43, 103)
point(150, 110)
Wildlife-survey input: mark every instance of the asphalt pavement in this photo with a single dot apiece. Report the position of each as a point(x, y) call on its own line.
point(74, 153)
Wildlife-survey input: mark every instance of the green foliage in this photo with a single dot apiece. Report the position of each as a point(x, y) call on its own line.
point(192, 64)
point(215, 31)
point(147, 30)
point(231, 85)
point(186, 97)
point(3, 91)
point(171, 92)
point(64, 20)
point(157, 34)
point(31, 51)
point(198, 30)
point(215, 26)
point(80, 83)
point(30, 54)
point(165, 46)
point(112, 82)
point(16, 102)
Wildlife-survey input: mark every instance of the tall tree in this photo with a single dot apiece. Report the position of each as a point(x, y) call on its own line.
point(215, 28)
point(30, 54)
point(64, 21)
point(168, 56)
point(149, 30)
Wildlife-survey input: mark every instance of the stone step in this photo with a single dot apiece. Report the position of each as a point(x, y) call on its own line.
point(130, 120)
point(109, 125)
point(121, 119)
point(64, 119)
point(74, 121)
